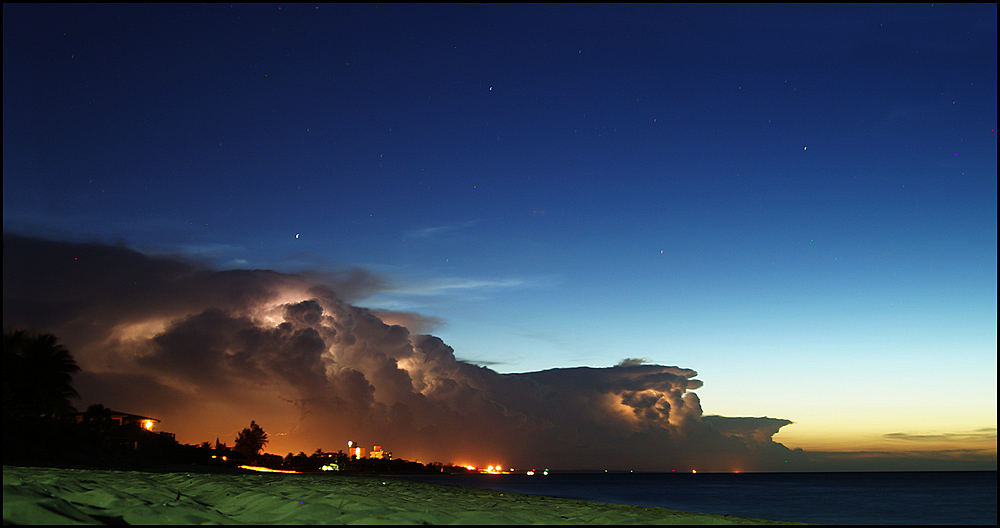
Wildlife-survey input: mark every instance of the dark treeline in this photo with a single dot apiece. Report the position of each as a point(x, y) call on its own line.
point(41, 427)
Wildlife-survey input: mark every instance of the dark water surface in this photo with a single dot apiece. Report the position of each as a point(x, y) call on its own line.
point(961, 497)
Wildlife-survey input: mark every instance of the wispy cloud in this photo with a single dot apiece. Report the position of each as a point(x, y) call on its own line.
point(420, 294)
point(433, 231)
point(952, 459)
point(985, 433)
point(453, 285)
point(950, 450)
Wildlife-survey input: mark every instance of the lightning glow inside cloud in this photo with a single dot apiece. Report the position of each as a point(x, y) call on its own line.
point(206, 351)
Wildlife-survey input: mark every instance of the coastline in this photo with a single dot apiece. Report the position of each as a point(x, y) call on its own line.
point(36, 495)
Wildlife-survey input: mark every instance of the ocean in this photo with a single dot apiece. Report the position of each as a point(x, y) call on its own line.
point(960, 497)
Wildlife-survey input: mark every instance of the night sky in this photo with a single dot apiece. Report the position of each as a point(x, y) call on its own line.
point(603, 231)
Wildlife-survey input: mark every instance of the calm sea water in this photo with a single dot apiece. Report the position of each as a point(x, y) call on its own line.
point(827, 498)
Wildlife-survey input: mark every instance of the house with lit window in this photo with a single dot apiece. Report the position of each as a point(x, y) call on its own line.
point(131, 431)
point(115, 418)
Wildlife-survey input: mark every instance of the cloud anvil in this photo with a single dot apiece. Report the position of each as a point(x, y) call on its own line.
point(207, 350)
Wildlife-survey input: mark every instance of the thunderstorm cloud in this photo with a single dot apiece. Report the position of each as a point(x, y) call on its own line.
point(207, 350)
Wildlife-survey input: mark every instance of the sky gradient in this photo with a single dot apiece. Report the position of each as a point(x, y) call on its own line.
point(796, 202)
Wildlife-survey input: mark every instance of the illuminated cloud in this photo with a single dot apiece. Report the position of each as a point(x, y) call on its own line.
point(207, 351)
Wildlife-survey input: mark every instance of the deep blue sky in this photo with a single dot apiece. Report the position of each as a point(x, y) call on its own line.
point(797, 201)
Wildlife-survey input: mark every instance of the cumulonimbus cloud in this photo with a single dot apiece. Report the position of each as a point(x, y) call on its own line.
point(207, 350)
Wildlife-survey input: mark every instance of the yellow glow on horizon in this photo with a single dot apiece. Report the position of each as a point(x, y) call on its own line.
point(890, 436)
point(267, 470)
point(496, 469)
point(895, 415)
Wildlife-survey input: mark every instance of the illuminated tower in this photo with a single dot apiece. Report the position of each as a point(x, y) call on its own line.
point(354, 451)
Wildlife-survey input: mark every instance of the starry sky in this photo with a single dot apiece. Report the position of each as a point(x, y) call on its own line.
point(795, 203)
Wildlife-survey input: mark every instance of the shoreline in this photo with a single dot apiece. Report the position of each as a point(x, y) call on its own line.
point(37, 495)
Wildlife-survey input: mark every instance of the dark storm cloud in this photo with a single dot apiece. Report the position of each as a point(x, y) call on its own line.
point(759, 429)
point(207, 351)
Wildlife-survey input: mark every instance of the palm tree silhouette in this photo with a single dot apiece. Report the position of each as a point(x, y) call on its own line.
point(251, 440)
point(37, 377)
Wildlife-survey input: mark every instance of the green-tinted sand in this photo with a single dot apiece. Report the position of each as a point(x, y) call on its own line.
point(71, 496)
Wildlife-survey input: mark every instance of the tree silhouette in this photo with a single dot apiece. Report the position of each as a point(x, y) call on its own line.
point(251, 440)
point(37, 377)
point(98, 416)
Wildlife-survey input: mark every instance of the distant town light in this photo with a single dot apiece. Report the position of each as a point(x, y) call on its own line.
point(267, 469)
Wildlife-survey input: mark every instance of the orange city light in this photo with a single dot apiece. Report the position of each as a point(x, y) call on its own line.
point(267, 470)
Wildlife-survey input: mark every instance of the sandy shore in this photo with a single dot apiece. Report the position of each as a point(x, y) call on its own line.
point(73, 496)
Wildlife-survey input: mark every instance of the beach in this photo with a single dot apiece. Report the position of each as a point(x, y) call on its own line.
point(33, 495)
